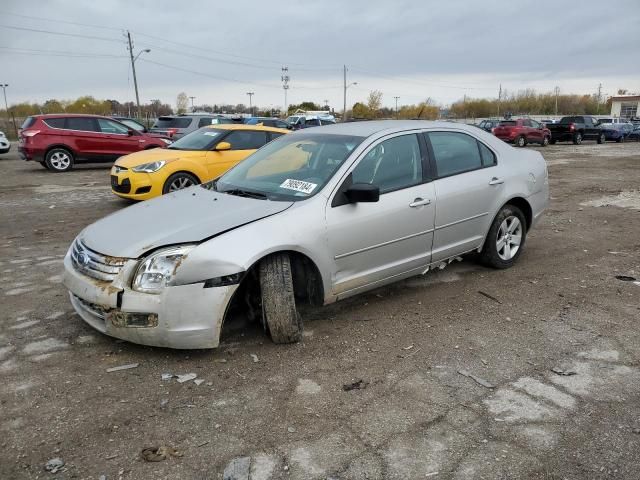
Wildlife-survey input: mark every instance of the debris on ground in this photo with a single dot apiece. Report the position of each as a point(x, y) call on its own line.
point(636, 430)
point(357, 385)
point(625, 278)
point(408, 348)
point(477, 379)
point(291, 429)
point(167, 376)
point(54, 465)
point(123, 367)
point(490, 297)
point(186, 377)
point(164, 402)
point(157, 454)
point(254, 357)
point(198, 381)
point(237, 469)
point(565, 373)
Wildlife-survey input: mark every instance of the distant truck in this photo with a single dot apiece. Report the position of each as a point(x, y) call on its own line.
point(576, 129)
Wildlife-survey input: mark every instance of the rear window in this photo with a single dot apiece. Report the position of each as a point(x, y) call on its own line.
point(28, 122)
point(172, 122)
point(508, 123)
point(565, 120)
point(54, 122)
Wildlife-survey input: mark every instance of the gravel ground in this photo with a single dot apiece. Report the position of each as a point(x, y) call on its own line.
point(287, 415)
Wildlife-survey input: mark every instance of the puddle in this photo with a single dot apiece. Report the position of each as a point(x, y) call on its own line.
point(625, 278)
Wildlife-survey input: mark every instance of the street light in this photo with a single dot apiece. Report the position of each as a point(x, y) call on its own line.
point(4, 90)
point(251, 94)
point(396, 107)
point(344, 107)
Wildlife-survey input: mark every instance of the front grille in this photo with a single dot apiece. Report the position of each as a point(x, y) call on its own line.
point(94, 264)
point(124, 187)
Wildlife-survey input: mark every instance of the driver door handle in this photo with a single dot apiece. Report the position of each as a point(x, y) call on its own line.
point(496, 181)
point(419, 202)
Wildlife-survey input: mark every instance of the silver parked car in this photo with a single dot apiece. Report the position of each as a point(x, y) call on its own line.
point(315, 216)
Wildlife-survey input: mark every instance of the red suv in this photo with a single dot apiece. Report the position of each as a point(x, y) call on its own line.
point(522, 131)
point(59, 141)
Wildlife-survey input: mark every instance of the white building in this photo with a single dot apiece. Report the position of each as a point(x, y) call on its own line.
point(625, 106)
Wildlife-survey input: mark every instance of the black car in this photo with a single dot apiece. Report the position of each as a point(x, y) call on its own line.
point(635, 133)
point(576, 129)
point(489, 124)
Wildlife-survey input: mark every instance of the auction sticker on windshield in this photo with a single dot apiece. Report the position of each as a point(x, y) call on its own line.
point(298, 185)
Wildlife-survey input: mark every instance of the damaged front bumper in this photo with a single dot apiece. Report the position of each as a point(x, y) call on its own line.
point(182, 316)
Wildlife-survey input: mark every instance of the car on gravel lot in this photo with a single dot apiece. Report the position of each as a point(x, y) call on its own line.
point(616, 132)
point(60, 141)
point(5, 144)
point(522, 131)
point(635, 134)
point(313, 217)
point(195, 158)
point(177, 126)
point(576, 129)
point(489, 124)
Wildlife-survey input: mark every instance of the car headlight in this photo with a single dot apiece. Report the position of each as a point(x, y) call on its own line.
point(158, 269)
point(167, 141)
point(150, 167)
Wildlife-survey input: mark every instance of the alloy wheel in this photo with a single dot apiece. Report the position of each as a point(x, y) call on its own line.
point(180, 183)
point(60, 161)
point(509, 238)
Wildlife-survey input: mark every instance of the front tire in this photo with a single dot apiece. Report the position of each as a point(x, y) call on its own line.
point(179, 181)
point(619, 140)
point(521, 141)
point(602, 138)
point(505, 240)
point(59, 160)
point(545, 141)
point(577, 139)
point(278, 299)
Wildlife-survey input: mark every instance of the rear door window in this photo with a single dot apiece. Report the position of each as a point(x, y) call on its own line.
point(246, 139)
point(488, 157)
point(454, 153)
point(81, 124)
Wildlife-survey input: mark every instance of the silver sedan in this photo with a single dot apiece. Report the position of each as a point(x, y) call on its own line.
point(313, 217)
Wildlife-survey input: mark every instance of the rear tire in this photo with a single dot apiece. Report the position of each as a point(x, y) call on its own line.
point(577, 139)
point(278, 299)
point(505, 240)
point(59, 160)
point(602, 138)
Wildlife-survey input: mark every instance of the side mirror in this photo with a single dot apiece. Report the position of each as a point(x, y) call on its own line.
point(363, 192)
point(130, 131)
point(223, 146)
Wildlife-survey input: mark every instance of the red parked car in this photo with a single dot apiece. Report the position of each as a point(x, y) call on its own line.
point(522, 131)
point(60, 141)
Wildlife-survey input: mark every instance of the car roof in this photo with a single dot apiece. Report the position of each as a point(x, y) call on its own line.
point(48, 115)
point(242, 126)
point(366, 129)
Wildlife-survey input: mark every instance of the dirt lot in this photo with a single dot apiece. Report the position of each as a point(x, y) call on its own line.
point(287, 415)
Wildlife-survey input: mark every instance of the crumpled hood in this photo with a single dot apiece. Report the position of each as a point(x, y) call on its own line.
point(190, 215)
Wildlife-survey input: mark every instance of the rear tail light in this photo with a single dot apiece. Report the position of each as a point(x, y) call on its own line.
point(572, 127)
point(171, 131)
point(29, 133)
point(493, 130)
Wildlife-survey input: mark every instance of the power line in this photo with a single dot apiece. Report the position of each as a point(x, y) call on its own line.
point(62, 21)
point(418, 82)
point(64, 34)
point(59, 53)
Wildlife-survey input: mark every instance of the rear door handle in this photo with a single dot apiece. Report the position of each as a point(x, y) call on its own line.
point(496, 181)
point(419, 202)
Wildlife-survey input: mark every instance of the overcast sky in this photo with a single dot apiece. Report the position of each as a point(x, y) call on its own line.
point(217, 51)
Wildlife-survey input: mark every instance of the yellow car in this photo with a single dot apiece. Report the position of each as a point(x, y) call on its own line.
point(195, 158)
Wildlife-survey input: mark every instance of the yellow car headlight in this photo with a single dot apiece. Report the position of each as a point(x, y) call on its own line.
point(150, 167)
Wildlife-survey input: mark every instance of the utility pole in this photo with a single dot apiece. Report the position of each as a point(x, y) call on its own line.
point(499, 99)
point(4, 90)
point(326, 103)
point(133, 67)
point(285, 86)
point(192, 99)
point(251, 94)
point(599, 98)
point(396, 107)
point(344, 107)
point(557, 92)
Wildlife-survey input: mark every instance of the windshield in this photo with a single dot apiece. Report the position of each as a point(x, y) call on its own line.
point(292, 120)
point(293, 167)
point(565, 120)
point(132, 124)
point(202, 139)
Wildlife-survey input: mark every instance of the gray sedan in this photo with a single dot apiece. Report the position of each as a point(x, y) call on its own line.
point(313, 217)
